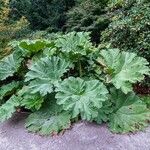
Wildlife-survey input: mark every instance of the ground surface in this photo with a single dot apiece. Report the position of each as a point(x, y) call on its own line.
point(82, 136)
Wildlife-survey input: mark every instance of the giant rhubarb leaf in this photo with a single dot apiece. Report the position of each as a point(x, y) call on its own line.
point(81, 97)
point(124, 68)
point(130, 113)
point(46, 73)
point(74, 42)
point(49, 119)
point(30, 101)
point(103, 113)
point(7, 109)
point(29, 47)
point(9, 65)
point(8, 89)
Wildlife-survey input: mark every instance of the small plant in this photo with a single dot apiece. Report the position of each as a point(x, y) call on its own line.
point(67, 79)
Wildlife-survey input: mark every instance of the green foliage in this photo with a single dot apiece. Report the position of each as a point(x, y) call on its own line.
point(81, 97)
point(129, 29)
point(146, 100)
point(116, 4)
point(30, 101)
point(58, 90)
point(46, 73)
point(88, 15)
point(7, 109)
point(76, 43)
point(33, 102)
point(42, 14)
point(104, 112)
point(62, 15)
point(31, 47)
point(130, 113)
point(8, 66)
point(124, 68)
point(7, 89)
point(50, 119)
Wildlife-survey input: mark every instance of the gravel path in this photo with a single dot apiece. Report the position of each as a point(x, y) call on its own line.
point(82, 136)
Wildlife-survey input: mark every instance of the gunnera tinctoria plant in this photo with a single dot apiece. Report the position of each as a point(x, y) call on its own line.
point(65, 79)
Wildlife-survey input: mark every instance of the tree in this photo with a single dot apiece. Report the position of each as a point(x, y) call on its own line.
point(88, 15)
point(42, 14)
point(8, 28)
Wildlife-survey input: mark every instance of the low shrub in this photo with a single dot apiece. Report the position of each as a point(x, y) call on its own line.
point(66, 79)
point(129, 30)
point(9, 29)
point(89, 16)
point(41, 14)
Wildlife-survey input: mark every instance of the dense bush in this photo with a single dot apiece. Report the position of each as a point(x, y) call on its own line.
point(42, 14)
point(61, 78)
point(67, 78)
point(88, 15)
point(64, 15)
point(130, 29)
point(10, 29)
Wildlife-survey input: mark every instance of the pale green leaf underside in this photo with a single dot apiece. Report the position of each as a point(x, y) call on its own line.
point(46, 73)
point(127, 68)
point(130, 113)
point(81, 97)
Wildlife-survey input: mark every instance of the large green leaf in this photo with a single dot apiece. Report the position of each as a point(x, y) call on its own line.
point(30, 101)
point(49, 119)
point(103, 113)
point(124, 68)
point(81, 97)
point(46, 73)
point(130, 113)
point(9, 65)
point(33, 46)
point(8, 89)
point(7, 109)
point(42, 86)
point(74, 42)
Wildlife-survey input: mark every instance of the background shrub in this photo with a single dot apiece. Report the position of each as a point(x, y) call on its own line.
point(41, 14)
point(88, 15)
point(130, 29)
point(10, 29)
